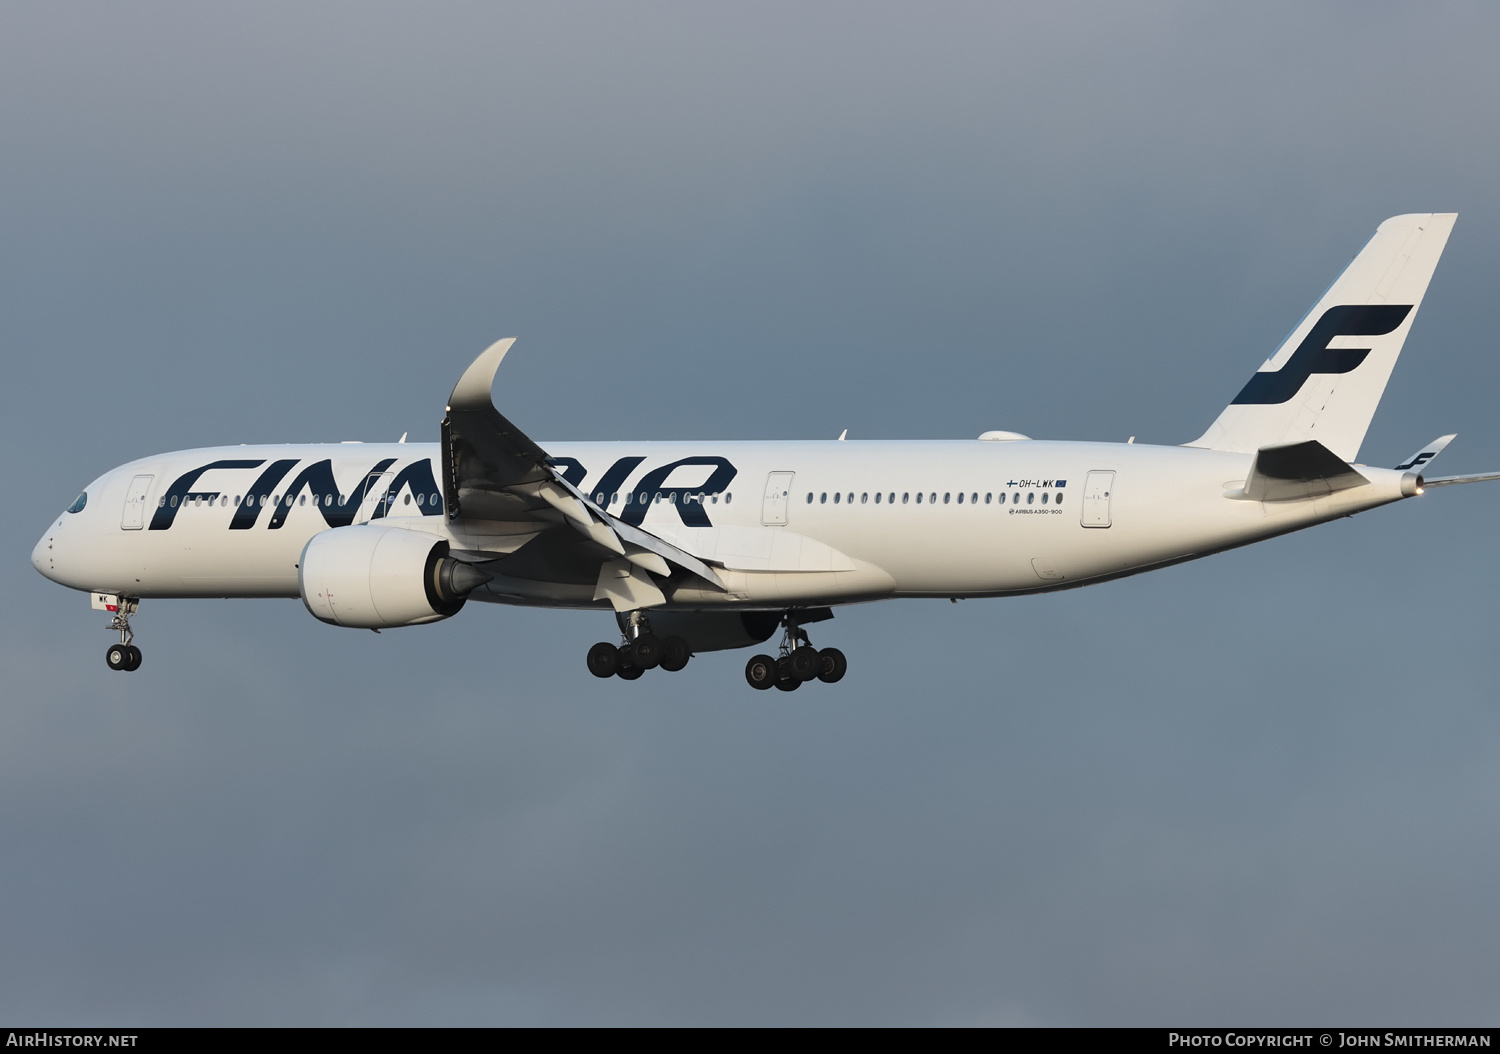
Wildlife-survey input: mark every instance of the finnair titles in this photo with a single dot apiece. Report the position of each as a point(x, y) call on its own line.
point(705, 546)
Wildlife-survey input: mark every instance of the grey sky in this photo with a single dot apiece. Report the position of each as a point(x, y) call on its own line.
point(1255, 789)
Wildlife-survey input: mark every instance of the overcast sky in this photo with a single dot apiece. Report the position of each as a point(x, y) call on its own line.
point(1259, 788)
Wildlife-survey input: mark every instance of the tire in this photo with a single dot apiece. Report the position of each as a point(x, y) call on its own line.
point(786, 680)
point(760, 672)
point(604, 660)
point(805, 663)
point(675, 654)
point(116, 656)
point(629, 673)
point(833, 667)
point(134, 661)
point(645, 652)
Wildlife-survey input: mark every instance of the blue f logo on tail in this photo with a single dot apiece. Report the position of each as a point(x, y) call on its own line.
point(1314, 355)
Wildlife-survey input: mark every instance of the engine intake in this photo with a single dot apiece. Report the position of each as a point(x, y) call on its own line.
point(373, 577)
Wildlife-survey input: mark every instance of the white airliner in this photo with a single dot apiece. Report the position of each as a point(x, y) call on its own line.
point(704, 546)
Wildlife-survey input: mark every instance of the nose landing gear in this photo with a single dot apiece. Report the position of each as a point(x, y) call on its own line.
point(124, 655)
point(798, 663)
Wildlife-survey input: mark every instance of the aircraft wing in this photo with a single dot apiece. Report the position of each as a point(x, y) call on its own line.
point(493, 471)
point(485, 457)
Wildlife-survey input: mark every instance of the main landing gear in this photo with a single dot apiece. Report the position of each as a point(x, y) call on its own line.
point(641, 651)
point(799, 661)
point(124, 655)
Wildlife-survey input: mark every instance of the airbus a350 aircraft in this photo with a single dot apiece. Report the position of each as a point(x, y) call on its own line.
point(704, 546)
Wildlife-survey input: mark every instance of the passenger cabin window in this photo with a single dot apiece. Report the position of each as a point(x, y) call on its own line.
point(836, 498)
point(864, 498)
point(1031, 497)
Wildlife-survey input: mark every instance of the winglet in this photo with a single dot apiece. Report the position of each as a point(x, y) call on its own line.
point(472, 392)
point(1426, 454)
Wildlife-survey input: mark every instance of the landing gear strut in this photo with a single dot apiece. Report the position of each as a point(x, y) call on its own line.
point(640, 651)
point(124, 655)
point(798, 662)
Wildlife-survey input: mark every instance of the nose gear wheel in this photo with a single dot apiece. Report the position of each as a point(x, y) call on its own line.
point(125, 655)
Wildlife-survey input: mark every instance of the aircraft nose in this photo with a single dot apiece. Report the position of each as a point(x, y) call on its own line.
point(44, 555)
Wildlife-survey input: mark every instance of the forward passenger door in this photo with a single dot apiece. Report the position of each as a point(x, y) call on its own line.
point(134, 516)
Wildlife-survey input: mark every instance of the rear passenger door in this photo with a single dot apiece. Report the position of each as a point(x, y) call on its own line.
point(1096, 492)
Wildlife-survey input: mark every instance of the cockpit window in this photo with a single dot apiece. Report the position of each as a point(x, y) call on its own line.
point(79, 502)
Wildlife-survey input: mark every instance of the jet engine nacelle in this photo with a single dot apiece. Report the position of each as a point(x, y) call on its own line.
point(371, 577)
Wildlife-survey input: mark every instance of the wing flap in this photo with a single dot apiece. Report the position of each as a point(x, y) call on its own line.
point(627, 587)
point(756, 548)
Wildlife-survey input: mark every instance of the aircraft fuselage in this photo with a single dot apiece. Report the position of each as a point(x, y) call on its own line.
point(842, 521)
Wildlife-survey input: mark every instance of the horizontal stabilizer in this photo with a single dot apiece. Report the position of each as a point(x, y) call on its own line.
point(1426, 454)
point(1449, 481)
point(1297, 472)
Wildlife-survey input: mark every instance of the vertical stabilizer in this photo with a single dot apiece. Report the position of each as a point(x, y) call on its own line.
point(1326, 380)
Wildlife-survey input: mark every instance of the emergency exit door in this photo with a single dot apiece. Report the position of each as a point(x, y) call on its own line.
point(778, 494)
point(1096, 491)
point(376, 502)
